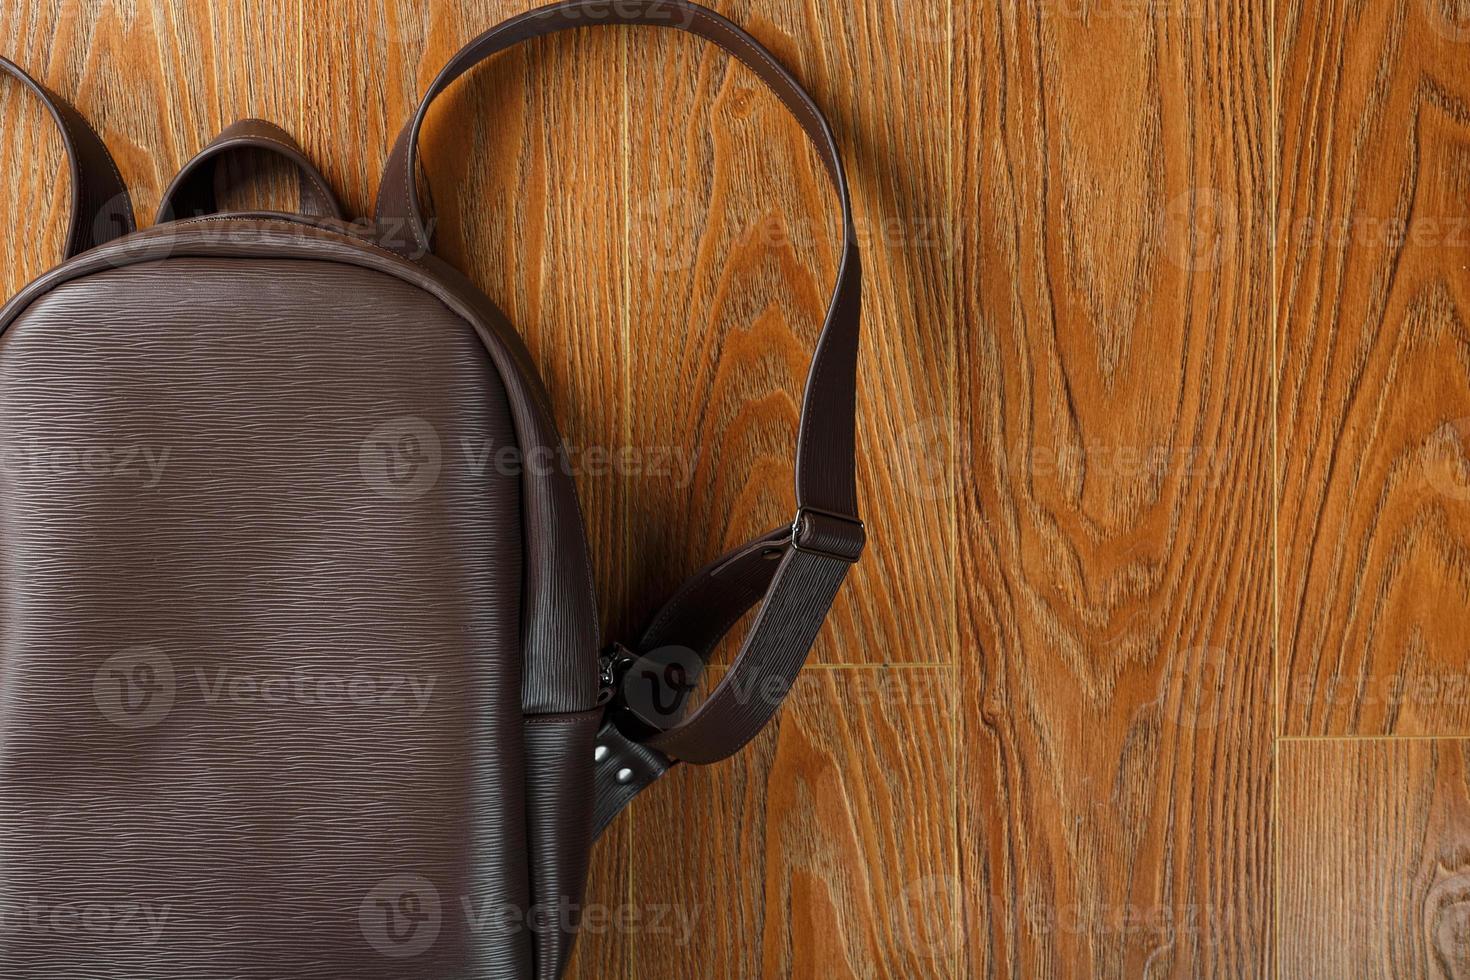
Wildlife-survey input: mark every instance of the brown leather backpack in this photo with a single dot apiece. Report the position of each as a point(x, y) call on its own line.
point(292, 685)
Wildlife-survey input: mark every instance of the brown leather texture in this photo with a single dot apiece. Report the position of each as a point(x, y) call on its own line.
point(299, 660)
point(262, 652)
point(559, 763)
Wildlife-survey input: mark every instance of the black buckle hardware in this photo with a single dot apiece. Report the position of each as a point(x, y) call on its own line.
point(822, 532)
point(612, 663)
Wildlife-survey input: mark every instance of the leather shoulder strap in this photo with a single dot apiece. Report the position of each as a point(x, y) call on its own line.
point(101, 209)
point(794, 572)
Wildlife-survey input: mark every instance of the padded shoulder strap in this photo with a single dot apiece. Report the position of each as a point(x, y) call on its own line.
point(100, 207)
point(794, 572)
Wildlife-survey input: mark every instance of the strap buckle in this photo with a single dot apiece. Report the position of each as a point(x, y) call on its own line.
point(831, 535)
point(612, 664)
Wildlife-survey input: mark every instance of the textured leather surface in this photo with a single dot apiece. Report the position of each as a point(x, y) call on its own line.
point(559, 818)
point(622, 769)
point(559, 619)
point(288, 537)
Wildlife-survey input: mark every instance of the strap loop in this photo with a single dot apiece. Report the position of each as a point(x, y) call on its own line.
point(191, 193)
point(835, 536)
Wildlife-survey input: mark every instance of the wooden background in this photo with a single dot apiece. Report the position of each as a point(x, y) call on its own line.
point(1157, 664)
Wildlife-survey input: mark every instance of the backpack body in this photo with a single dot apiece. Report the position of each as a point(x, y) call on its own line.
point(264, 572)
point(300, 673)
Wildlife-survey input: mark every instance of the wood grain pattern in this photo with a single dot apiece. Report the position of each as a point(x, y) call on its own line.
point(828, 850)
point(1116, 718)
point(157, 79)
point(1039, 741)
point(1375, 859)
point(822, 851)
point(554, 240)
point(35, 201)
point(1374, 228)
point(733, 245)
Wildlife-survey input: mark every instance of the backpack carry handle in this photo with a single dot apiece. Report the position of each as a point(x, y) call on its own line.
point(795, 571)
point(191, 194)
point(101, 209)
